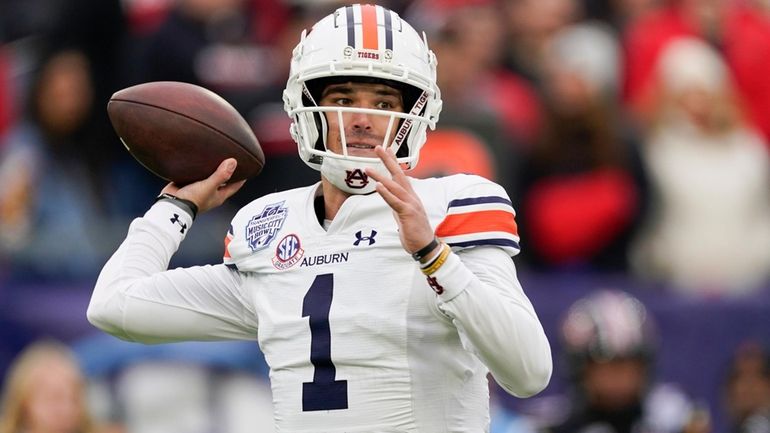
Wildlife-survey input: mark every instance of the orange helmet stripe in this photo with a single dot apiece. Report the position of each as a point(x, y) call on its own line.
point(369, 27)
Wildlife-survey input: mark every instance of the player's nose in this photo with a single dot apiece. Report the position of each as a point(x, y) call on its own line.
point(361, 121)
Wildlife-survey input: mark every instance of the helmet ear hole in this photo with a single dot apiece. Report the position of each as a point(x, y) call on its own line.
point(320, 121)
point(315, 89)
point(403, 151)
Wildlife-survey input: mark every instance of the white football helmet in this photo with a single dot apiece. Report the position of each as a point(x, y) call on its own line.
point(361, 43)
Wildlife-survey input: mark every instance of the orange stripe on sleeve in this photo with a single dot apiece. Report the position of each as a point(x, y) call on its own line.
point(228, 238)
point(369, 26)
point(475, 222)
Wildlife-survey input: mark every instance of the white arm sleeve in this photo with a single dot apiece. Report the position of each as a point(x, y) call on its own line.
point(137, 299)
point(486, 302)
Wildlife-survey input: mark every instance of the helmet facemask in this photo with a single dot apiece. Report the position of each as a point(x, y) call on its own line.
point(346, 170)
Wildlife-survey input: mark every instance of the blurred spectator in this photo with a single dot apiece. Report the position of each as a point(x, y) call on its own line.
point(469, 36)
point(610, 342)
point(739, 29)
point(97, 28)
point(56, 210)
point(747, 390)
point(708, 229)
point(63, 62)
point(35, 28)
point(582, 188)
point(481, 99)
point(48, 201)
point(212, 43)
point(530, 25)
point(44, 392)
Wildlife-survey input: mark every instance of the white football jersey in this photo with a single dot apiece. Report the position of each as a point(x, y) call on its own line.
point(356, 338)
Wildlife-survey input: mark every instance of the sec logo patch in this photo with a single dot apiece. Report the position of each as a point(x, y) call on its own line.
point(288, 252)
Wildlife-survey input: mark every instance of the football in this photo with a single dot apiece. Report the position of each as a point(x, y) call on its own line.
point(181, 132)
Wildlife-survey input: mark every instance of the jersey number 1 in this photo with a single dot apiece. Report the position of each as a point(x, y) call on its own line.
point(323, 393)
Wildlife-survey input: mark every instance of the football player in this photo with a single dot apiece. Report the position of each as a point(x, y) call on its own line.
point(609, 339)
point(380, 301)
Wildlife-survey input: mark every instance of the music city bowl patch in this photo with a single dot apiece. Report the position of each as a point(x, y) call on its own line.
point(263, 227)
point(288, 252)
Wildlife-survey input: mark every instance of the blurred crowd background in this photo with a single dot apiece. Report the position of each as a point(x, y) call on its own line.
point(633, 137)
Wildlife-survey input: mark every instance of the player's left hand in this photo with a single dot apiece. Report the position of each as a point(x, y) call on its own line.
point(413, 225)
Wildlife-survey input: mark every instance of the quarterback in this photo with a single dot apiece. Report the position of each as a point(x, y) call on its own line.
point(381, 302)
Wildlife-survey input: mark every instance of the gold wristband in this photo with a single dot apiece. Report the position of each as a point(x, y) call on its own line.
point(439, 261)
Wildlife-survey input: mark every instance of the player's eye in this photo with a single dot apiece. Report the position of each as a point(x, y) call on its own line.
point(343, 101)
point(384, 105)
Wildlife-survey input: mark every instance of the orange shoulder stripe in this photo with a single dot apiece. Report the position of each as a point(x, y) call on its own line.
point(228, 239)
point(475, 222)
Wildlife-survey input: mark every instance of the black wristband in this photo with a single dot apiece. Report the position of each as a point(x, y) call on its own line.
point(181, 202)
point(424, 251)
